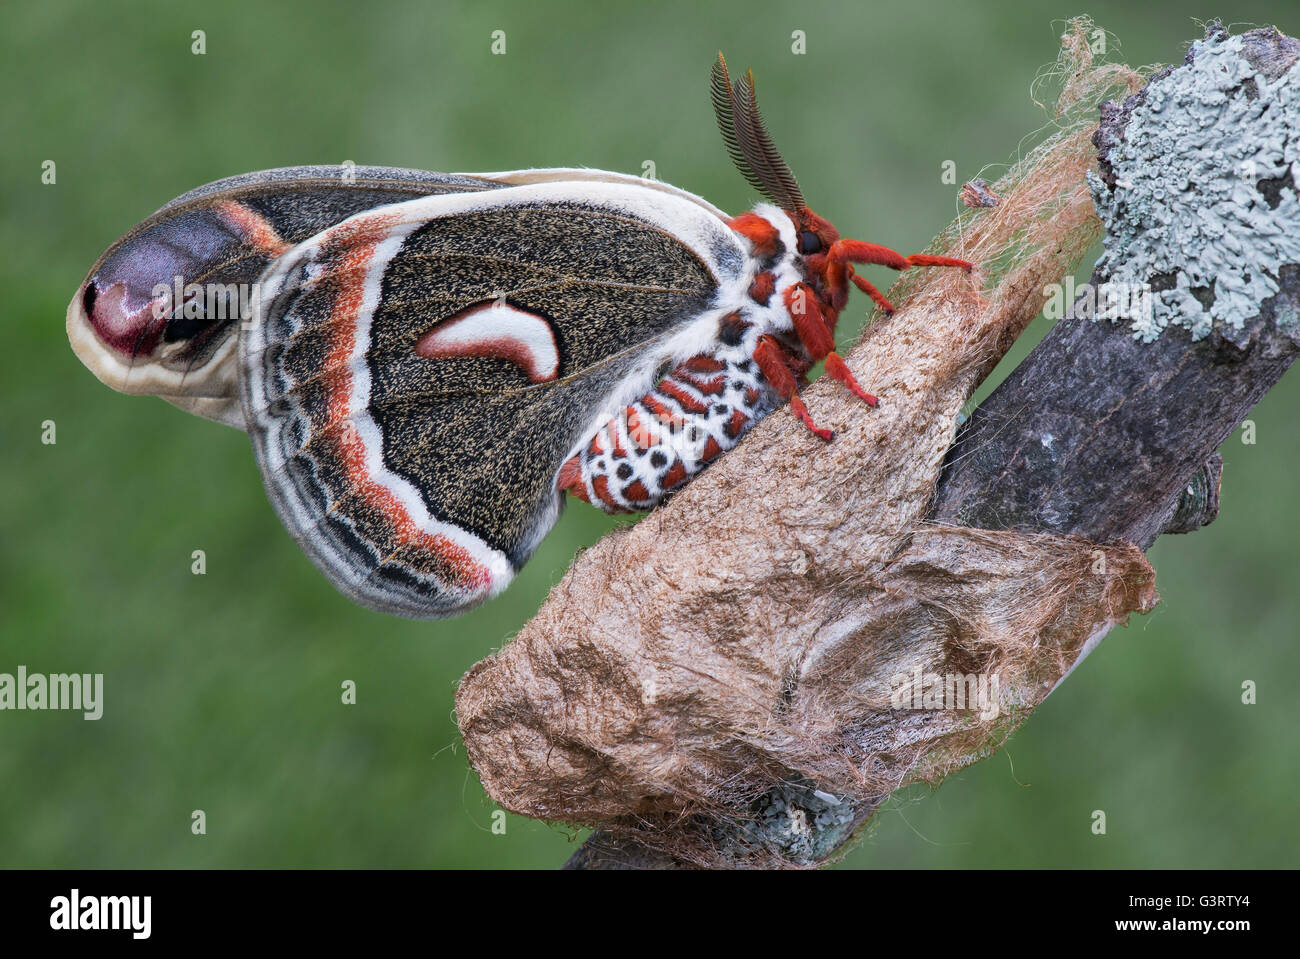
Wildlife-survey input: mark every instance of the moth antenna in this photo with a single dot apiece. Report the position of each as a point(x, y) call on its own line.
point(723, 108)
point(761, 151)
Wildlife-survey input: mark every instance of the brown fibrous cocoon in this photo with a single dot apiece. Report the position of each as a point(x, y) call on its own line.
point(768, 624)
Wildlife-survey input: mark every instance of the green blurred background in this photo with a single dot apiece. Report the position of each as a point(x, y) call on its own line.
point(223, 690)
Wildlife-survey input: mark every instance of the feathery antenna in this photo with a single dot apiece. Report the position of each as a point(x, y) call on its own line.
point(748, 142)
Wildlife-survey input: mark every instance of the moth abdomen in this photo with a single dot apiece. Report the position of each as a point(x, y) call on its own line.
point(657, 443)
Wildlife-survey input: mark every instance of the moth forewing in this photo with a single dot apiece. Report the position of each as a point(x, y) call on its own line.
point(153, 314)
point(409, 418)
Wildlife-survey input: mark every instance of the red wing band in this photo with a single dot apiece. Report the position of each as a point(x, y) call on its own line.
point(366, 528)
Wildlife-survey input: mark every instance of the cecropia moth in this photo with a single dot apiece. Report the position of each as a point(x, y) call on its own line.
point(427, 363)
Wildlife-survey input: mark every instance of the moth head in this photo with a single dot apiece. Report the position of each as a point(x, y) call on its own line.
point(756, 156)
point(142, 321)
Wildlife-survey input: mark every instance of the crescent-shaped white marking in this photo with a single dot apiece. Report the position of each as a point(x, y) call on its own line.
point(497, 330)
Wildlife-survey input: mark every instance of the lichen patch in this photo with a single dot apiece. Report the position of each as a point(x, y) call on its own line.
point(1204, 210)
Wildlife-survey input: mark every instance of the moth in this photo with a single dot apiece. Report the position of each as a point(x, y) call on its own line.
point(426, 364)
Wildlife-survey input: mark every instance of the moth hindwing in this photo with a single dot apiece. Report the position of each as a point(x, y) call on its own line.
point(420, 372)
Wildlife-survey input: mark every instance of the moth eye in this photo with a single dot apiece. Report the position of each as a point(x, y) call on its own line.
point(809, 242)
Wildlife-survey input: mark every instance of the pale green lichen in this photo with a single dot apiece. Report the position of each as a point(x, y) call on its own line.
point(1189, 204)
point(799, 823)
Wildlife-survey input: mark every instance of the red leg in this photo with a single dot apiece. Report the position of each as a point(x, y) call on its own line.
point(771, 360)
point(924, 259)
point(844, 252)
point(857, 251)
point(837, 272)
point(809, 324)
point(871, 291)
point(837, 369)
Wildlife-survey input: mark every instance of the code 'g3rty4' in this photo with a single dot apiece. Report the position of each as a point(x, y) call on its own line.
point(427, 363)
